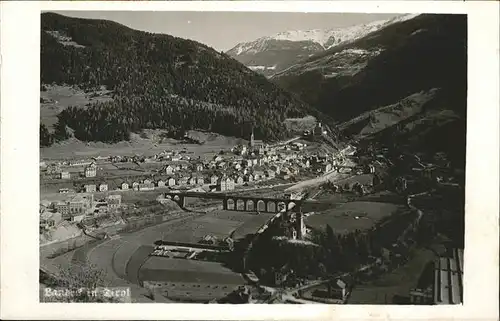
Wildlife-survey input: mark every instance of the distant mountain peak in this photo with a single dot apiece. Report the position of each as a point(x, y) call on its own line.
point(300, 44)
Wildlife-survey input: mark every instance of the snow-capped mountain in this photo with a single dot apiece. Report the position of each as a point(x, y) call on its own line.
point(272, 54)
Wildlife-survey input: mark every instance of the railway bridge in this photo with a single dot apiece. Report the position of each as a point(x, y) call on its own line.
point(240, 203)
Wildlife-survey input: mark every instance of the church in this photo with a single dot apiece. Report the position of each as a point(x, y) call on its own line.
point(256, 146)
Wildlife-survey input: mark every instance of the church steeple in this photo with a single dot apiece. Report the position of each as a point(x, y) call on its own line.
point(252, 143)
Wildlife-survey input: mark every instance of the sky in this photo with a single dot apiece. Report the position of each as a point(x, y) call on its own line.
point(224, 30)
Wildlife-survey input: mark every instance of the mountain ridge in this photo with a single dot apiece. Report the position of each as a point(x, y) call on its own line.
point(156, 81)
point(368, 85)
point(277, 52)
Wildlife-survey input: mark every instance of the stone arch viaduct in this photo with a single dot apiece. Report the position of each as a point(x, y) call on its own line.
point(240, 203)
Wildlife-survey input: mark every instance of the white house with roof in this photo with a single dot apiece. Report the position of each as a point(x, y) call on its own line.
point(230, 184)
point(169, 169)
point(146, 187)
point(171, 181)
point(160, 183)
point(124, 186)
point(65, 175)
point(90, 188)
point(103, 187)
point(222, 184)
point(91, 170)
point(258, 175)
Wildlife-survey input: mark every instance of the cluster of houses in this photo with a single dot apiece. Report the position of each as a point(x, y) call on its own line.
point(253, 163)
point(224, 173)
point(90, 169)
point(75, 208)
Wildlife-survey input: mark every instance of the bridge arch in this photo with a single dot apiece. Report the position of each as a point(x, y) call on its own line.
point(261, 206)
point(240, 205)
point(271, 207)
point(291, 205)
point(177, 198)
point(250, 206)
point(231, 204)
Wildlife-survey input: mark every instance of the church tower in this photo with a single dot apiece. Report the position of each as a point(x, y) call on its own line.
point(252, 143)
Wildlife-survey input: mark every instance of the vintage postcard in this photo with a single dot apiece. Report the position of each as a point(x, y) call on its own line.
point(234, 156)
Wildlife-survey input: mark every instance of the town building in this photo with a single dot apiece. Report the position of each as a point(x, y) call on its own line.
point(135, 186)
point(90, 188)
point(77, 205)
point(65, 175)
point(80, 162)
point(146, 187)
point(161, 184)
point(221, 184)
point(91, 170)
point(62, 207)
point(448, 278)
point(124, 186)
point(103, 187)
point(183, 181)
point(257, 176)
point(49, 219)
point(230, 184)
point(114, 201)
point(171, 181)
point(169, 169)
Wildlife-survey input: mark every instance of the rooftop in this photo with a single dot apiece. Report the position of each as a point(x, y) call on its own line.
point(448, 278)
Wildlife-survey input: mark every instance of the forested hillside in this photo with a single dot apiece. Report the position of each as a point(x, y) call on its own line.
point(373, 86)
point(157, 81)
point(429, 51)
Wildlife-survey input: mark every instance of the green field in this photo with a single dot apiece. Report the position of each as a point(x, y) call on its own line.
point(343, 219)
point(395, 283)
point(137, 145)
point(219, 224)
point(182, 270)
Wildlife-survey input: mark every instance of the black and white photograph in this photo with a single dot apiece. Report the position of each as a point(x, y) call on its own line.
point(255, 157)
point(199, 157)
